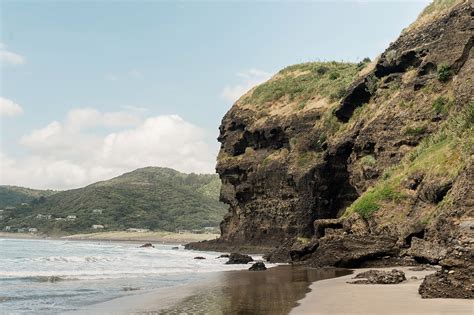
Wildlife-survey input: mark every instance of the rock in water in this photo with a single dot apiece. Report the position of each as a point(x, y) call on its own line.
point(258, 266)
point(175, 247)
point(224, 256)
point(236, 258)
point(147, 245)
point(199, 257)
point(380, 277)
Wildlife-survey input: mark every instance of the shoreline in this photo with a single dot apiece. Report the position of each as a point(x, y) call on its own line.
point(367, 299)
point(160, 237)
point(274, 291)
point(284, 290)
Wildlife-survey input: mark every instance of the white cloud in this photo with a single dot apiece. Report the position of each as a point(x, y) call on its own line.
point(82, 118)
point(70, 154)
point(248, 79)
point(10, 57)
point(9, 108)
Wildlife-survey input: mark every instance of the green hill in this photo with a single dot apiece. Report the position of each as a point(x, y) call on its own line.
point(14, 195)
point(152, 198)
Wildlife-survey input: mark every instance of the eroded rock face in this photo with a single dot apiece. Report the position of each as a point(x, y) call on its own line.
point(427, 251)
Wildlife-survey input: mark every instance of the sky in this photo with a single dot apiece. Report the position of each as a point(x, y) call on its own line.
point(92, 89)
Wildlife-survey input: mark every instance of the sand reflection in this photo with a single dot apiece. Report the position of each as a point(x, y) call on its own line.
point(275, 291)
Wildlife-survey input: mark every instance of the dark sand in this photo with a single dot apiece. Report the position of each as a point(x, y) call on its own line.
point(275, 291)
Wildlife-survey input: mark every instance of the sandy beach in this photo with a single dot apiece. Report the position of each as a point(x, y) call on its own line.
point(285, 290)
point(161, 237)
point(336, 296)
point(274, 291)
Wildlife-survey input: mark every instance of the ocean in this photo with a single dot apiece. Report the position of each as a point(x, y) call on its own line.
point(57, 276)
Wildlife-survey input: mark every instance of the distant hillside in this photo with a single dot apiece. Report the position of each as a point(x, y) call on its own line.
point(14, 195)
point(152, 198)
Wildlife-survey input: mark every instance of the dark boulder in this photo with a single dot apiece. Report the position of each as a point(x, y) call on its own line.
point(199, 257)
point(175, 247)
point(146, 245)
point(236, 258)
point(258, 266)
point(380, 277)
point(224, 256)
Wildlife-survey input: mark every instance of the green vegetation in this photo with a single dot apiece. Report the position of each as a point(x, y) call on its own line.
point(371, 200)
point(442, 154)
point(361, 65)
point(372, 84)
point(438, 5)
point(14, 195)
point(391, 56)
point(303, 81)
point(456, 136)
point(414, 131)
point(444, 72)
point(368, 160)
point(441, 105)
point(151, 198)
point(304, 159)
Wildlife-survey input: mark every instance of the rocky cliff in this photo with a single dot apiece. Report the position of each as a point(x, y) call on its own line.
point(343, 164)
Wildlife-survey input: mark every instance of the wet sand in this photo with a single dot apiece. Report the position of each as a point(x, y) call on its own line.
point(336, 296)
point(275, 291)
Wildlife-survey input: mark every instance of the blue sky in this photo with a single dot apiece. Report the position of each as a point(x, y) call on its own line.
point(76, 74)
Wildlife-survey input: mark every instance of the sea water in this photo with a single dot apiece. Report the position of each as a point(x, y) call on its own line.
point(55, 276)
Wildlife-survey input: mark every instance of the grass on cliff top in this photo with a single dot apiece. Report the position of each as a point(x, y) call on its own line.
point(433, 11)
point(303, 81)
point(442, 154)
point(437, 6)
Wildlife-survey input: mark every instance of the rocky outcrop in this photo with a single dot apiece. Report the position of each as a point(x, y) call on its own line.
point(380, 172)
point(455, 284)
point(236, 258)
point(346, 250)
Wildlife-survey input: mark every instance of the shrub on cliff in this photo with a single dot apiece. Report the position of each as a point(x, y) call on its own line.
point(444, 73)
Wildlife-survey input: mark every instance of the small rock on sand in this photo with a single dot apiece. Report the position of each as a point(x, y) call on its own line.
point(380, 277)
point(258, 266)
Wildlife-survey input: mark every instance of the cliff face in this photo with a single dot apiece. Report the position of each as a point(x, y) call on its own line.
point(340, 164)
point(277, 173)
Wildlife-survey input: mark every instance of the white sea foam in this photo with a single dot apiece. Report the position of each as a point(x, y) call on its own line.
point(90, 261)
